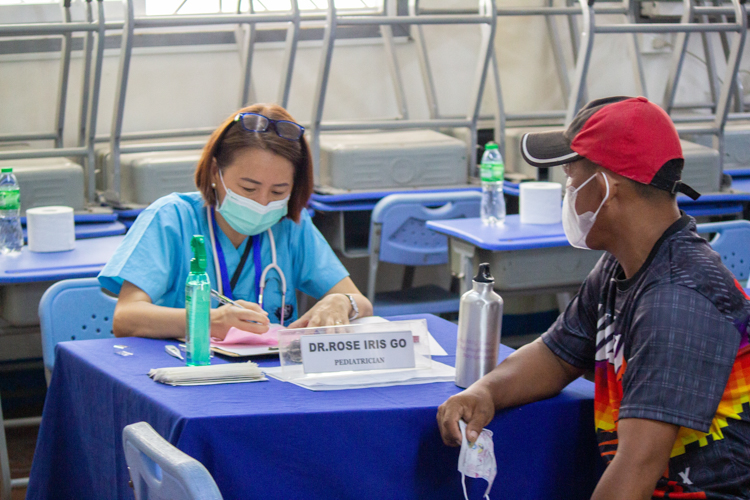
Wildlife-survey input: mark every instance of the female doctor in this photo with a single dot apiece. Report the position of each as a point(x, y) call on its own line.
point(254, 179)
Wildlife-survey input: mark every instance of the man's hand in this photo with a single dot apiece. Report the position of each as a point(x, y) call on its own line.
point(474, 406)
point(531, 373)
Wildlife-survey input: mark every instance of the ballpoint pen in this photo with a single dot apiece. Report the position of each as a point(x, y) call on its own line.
point(223, 299)
point(226, 300)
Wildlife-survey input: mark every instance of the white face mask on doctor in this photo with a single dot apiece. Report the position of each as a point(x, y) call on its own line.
point(247, 216)
point(577, 227)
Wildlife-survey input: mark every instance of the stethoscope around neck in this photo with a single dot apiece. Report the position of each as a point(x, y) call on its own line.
point(262, 282)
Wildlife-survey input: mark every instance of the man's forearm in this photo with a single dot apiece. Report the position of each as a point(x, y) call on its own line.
point(531, 373)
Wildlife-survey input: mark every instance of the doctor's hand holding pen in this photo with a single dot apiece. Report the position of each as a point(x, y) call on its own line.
point(241, 314)
point(136, 316)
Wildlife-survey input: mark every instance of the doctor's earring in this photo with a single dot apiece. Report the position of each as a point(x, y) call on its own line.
point(213, 185)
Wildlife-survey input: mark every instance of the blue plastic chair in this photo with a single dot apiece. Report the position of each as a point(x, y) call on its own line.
point(74, 309)
point(731, 240)
point(398, 235)
point(159, 471)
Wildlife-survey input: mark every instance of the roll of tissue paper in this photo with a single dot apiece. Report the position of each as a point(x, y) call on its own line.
point(540, 202)
point(50, 229)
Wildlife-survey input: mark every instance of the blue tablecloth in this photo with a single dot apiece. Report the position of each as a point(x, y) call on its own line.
point(272, 439)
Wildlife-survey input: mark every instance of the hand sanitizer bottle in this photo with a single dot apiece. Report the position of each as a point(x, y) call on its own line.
point(198, 307)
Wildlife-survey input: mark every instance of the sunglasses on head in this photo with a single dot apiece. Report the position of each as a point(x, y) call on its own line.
point(254, 122)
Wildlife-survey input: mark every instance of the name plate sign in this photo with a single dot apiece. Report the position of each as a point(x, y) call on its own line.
point(357, 351)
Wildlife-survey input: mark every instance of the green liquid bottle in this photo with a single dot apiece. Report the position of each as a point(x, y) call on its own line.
point(198, 307)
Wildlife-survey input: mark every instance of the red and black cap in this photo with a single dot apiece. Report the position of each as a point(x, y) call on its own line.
point(629, 136)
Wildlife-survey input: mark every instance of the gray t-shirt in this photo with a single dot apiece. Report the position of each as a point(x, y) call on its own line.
point(669, 344)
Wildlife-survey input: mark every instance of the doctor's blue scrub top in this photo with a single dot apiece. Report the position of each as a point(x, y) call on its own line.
point(155, 256)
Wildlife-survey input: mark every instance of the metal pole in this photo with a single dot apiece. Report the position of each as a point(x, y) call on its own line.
point(499, 134)
point(678, 58)
point(486, 8)
point(424, 62)
point(62, 93)
point(246, 56)
point(290, 53)
point(329, 36)
point(738, 93)
point(93, 107)
point(562, 70)
point(575, 40)
point(582, 65)
point(730, 75)
point(635, 50)
point(19, 154)
point(113, 172)
point(88, 45)
point(391, 60)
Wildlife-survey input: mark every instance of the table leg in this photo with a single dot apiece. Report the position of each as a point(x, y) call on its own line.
point(4, 463)
point(465, 252)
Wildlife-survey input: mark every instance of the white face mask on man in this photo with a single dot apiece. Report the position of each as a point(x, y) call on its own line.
point(577, 227)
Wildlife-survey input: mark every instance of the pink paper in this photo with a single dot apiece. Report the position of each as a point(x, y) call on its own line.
point(235, 336)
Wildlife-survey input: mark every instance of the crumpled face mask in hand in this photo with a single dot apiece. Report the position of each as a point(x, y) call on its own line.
point(477, 460)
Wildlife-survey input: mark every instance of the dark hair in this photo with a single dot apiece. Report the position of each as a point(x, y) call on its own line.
point(645, 191)
point(230, 139)
point(671, 169)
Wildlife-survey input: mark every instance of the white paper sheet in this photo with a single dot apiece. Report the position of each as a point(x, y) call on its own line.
point(439, 372)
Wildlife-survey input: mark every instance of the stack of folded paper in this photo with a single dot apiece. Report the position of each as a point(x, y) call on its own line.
point(227, 373)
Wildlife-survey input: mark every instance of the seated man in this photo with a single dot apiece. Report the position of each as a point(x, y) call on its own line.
point(660, 320)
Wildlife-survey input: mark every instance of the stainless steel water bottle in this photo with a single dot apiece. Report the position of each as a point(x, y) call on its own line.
point(480, 318)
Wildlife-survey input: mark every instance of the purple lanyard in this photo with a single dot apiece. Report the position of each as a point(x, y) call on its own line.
point(226, 283)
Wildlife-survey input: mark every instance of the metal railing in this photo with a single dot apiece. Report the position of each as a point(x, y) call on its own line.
point(93, 52)
point(247, 22)
point(486, 19)
point(712, 124)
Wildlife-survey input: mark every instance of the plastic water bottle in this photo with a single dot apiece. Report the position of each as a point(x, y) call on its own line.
point(11, 236)
point(492, 172)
